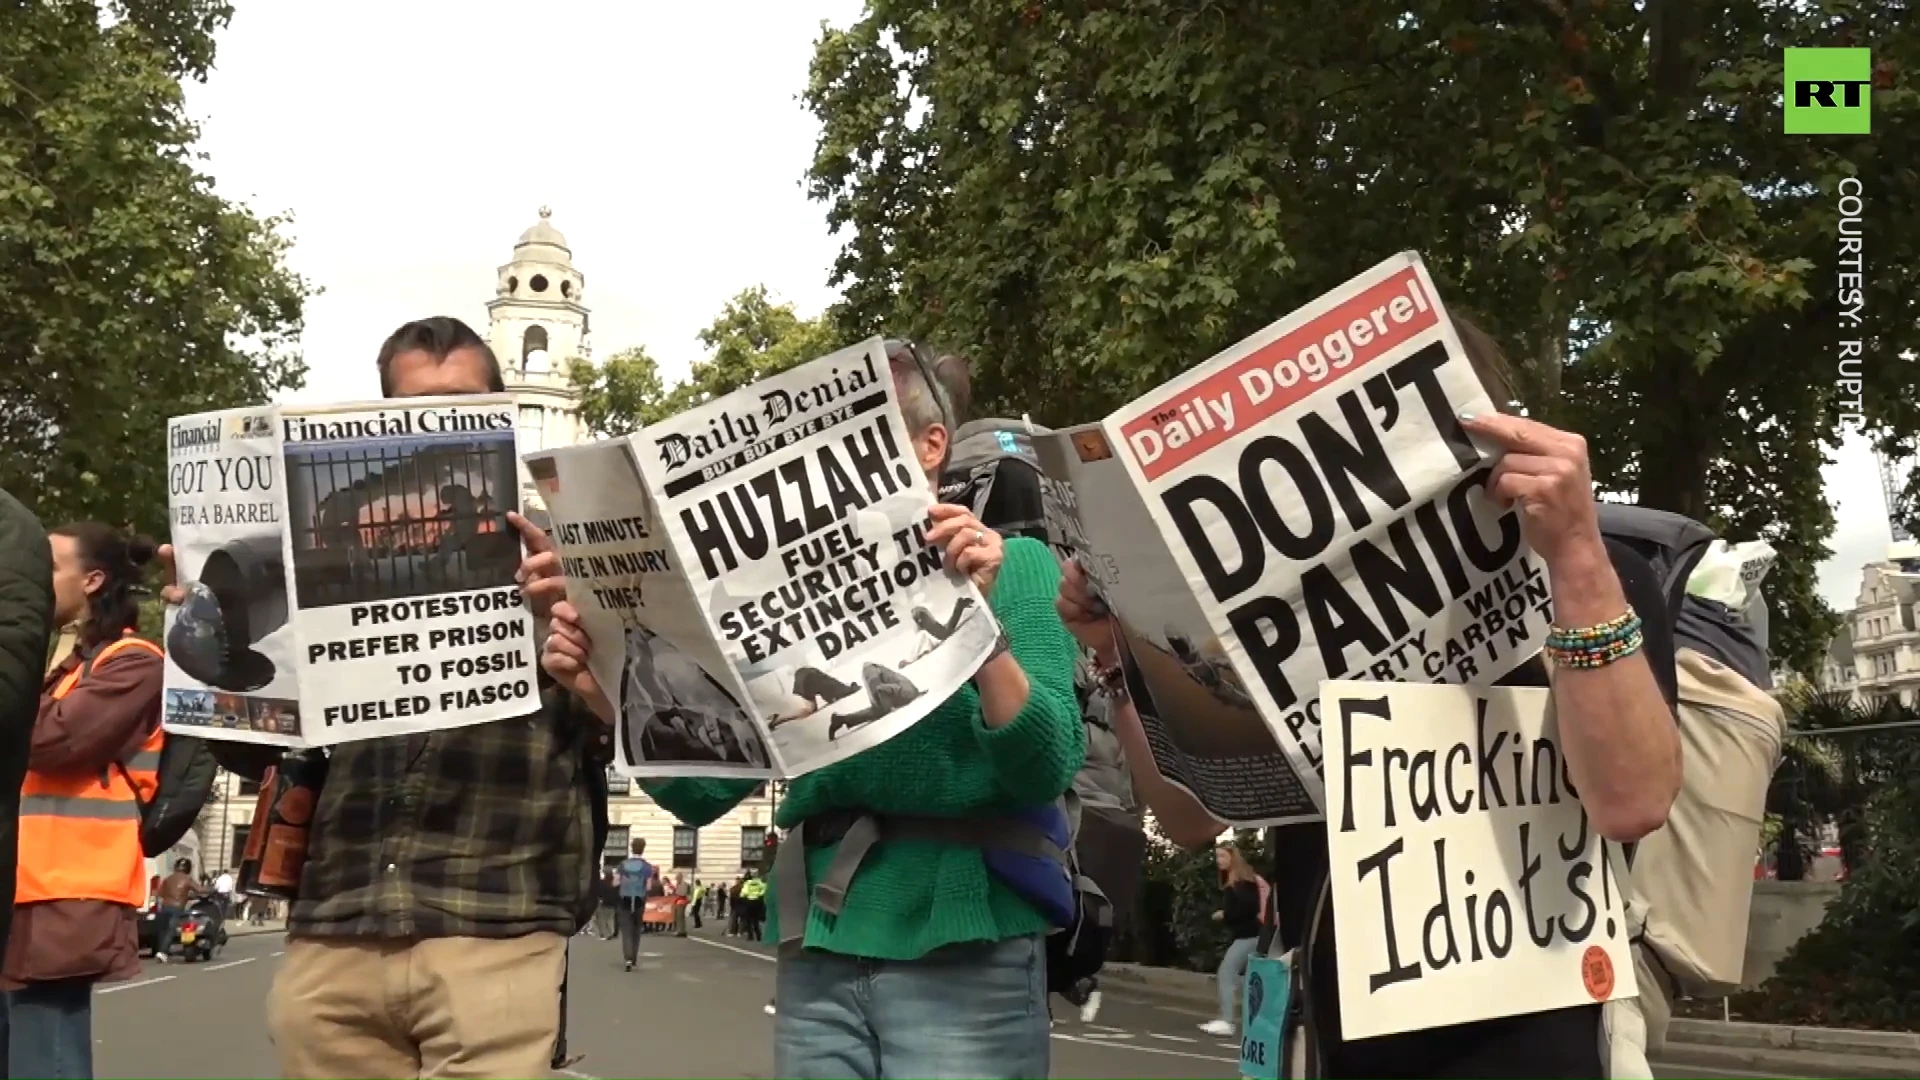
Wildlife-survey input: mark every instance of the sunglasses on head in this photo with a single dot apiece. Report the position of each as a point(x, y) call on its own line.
point(912, 348)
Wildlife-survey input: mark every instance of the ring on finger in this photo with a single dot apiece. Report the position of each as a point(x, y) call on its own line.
point(979, 537)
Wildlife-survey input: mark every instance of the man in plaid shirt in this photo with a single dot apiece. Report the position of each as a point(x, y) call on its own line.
point(445, 872)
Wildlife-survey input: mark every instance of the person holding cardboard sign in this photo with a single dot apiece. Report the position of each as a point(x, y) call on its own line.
point(1610, 664)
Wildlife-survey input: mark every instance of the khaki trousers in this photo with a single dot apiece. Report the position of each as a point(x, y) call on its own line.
point(445, 1007)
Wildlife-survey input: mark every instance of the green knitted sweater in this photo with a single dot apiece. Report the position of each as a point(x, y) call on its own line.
point(911, 898)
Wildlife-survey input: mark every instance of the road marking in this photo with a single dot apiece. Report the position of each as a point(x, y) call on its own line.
point(230, 964)
point(1171, 1038)
point(1105, 1035)
point(734, 948)
point(132, 985)
point(576, 1074)
point(1144, 1049)
point(281, 952)
point(652, 955)
point(1103, 1027)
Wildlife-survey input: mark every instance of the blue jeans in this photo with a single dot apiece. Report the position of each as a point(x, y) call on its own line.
point(50, 1030)
point(165, 919)
point(1233, 972)
point(977, 1010)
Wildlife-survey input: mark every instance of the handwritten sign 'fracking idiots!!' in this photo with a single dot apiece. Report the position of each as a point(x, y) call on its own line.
point(1468, 883)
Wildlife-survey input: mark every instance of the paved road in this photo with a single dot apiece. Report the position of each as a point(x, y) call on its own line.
point(693, 1009)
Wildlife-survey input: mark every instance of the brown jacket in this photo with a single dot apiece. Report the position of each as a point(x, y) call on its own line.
point(104, 719)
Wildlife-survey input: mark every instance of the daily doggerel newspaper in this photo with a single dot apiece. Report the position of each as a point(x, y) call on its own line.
point(1320, 514)
point(349, 572)
point(755, 576)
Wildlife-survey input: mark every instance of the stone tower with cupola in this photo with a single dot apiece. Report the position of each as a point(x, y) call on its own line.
point(538, 327)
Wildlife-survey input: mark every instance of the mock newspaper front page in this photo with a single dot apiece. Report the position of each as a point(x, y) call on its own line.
point(797, 513)
point(1206, 734)
point(232, 658)
point(1467, 881)
point(393, 582)
point(677, 697)
point(1329, 512)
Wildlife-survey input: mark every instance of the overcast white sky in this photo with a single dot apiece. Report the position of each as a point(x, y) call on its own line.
point(414, 141)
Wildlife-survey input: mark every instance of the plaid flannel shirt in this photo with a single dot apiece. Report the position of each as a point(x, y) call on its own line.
point(484, 831)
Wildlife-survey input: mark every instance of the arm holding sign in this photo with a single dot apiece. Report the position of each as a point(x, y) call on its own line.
point(1621, 742)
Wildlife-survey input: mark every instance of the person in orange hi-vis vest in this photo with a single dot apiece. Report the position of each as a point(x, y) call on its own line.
point(94, 759)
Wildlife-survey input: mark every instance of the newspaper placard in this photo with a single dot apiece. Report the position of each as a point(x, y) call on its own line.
point(677, 696)
point(799, 581)
point(1467, 881)
point(386, 557)
point(232, 658)
point(1328, 510)
point(1206, 734)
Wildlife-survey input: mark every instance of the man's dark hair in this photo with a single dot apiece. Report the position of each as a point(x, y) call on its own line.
point(955, 377)
point(438, 337)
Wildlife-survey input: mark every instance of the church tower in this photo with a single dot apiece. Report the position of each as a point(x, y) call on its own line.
point(537, 325)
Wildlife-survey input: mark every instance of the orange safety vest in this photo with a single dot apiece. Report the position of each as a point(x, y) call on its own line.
point(80, 832)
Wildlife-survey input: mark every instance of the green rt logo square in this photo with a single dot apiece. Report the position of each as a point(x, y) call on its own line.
point(1829, 91)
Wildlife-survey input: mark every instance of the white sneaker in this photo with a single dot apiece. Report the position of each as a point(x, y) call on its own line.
point(769, 1009)
point(1091, 1009)
point(1217, 1027)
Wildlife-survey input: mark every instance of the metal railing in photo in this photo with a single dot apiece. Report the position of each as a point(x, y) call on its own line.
point(389, 523)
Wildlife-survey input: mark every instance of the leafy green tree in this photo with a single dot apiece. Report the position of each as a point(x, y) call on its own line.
point(752, 337)
point(1090, 197)
point(129, 291)
point(622, 394)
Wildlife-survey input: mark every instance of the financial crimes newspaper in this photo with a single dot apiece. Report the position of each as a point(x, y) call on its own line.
point(348, 570)
point(756, 580)
point(1321, 514)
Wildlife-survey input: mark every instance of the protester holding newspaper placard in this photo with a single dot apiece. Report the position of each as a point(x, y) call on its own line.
point(911, 957)
point(464, 856)
point(1615, 724)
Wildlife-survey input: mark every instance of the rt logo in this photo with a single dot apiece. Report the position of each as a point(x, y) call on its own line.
point(1829, 91)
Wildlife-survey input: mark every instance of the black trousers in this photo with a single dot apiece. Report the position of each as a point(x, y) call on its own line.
point(628, 916)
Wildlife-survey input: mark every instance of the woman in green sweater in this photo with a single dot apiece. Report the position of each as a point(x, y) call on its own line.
point(933, 966)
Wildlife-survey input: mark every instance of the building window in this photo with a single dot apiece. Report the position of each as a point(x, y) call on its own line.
point(239, 846)
point(686, 847)
point(533, 423)
point(617, 844)
point(248, 787)
point(618, 784)
point(753, 845)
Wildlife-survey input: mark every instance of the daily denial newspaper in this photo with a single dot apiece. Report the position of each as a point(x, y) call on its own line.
point(368, 591)
point(677, 695)
point(797, 582)
point(1328, 514)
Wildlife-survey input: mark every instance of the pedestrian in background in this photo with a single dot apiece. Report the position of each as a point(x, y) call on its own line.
point(637, 878)
point(1239, 912)
point(753, 901)
point(609, 894)
point(699, 900)
point(96, 744)
point(176, 891)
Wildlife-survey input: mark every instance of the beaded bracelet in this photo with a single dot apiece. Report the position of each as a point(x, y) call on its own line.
point(1596, 646)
